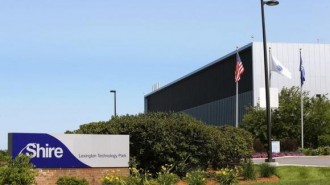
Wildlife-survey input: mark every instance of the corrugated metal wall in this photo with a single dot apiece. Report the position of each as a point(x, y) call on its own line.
point(208, 94)
point(210, 83)
point(222, 111)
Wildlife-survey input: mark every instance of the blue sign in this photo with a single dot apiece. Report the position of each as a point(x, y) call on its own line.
point(71, 150)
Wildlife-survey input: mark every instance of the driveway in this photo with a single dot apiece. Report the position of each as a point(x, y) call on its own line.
point(321, 161)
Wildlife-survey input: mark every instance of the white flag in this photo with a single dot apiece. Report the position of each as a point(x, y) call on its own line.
point(279, 68)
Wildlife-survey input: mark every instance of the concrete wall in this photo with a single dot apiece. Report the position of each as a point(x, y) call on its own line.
point(92, 175)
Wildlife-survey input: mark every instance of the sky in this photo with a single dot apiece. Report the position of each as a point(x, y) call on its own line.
point(59, 59)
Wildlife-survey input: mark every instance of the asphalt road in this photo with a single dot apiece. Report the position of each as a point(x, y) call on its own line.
point(321, 161)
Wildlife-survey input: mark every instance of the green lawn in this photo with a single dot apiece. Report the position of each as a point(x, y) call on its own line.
point(290, 175)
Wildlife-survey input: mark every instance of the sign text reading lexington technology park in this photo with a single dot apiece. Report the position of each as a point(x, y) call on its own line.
point(71, 150)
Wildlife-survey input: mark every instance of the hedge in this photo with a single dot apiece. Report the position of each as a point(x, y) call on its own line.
point(161, 138)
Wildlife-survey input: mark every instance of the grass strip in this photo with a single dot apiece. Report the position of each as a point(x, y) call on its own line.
point(294, 175)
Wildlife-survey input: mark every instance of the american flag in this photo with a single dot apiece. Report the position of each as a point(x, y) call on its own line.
point(239, 68)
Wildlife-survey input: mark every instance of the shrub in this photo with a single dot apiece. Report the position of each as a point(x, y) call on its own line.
point(289, 145)
point(71, 181)
point(165, 177)
point(18, 171)
point(229, 146)
point(152, 182)
point(324, 140)
point(196, 178)
point(267, 170)
point(317, 151)
point(4, 156)
point(305, 151)
point(176, 138)
point(138, 177)
point(113, 180)
point(258, 146)
point(325, 150)
point(226, 176)
point(249, 172)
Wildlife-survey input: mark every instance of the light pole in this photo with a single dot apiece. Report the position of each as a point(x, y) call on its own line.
point(269, 130)
point(114, 97)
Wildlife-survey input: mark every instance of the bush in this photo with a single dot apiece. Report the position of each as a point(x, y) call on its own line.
point(289, 145)
point(165, 177)
point(258, 146)
point(18, 171)
point(306, 151)
point(230, 146)
point(4, 156)
point(249, 172)
point(325, 150)
point(138, 177)
point(226, 176)
point(113, 180)
point(267, 170)
point(196, 178)
point(317, 151)
point(324, 140)
point(176, 138)
point(71, 181)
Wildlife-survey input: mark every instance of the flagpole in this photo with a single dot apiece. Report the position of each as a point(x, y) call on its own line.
point(236, 98)
point(302, 117)
point(239, 69)
point(269, 67)
point(301, 107)
point(236, 104)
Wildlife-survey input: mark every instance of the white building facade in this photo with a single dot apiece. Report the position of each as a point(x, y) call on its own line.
point(316, 62)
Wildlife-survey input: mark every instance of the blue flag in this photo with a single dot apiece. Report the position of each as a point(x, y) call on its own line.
point(302, 72)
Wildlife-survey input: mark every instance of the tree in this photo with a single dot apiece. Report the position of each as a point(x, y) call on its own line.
point(286, 120)
point(317, 123)
point(255, 122)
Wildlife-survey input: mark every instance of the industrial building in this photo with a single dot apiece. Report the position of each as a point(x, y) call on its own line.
point(209, 93)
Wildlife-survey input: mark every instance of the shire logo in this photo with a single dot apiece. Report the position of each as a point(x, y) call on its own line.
point(34, 150)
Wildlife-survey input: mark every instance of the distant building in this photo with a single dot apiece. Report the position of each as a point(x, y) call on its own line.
point(208, 93)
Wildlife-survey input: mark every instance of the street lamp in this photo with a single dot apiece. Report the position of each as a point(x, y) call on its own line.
point(114, 97)
point(269, 133)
